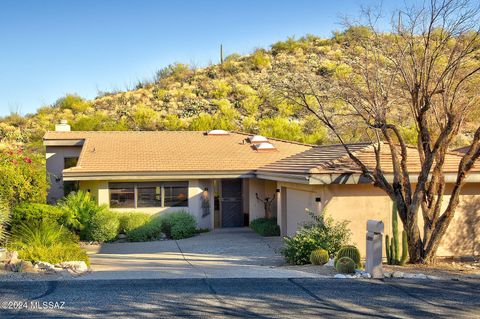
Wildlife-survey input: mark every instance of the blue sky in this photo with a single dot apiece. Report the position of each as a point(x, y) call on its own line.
point(50, 48)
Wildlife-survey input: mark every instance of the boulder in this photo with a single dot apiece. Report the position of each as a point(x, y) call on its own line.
point(340, 276)
point(433, 277)
point(330, 263)
point(387, 274)
point(12, 257)
point(77, 267)
point(43, 265)
point(26, 266)
point(398, 274)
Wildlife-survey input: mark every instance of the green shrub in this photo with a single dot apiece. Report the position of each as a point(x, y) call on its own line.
point(102, 227)
point(44, 241)
point(349, 251)
point(265, 226)
point(132, 220)
point(28, 212)
point(178, 225)
point(319, 233)
point(149, 231)
point(78, 208)
point(319, 257)
point(4, 220)
point(345, 265)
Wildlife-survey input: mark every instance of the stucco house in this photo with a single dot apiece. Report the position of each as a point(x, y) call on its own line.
point(217, 176)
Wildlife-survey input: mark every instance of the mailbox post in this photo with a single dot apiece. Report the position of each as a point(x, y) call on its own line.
point(374, 248)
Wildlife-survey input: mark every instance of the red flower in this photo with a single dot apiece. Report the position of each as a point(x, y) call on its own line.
point(27, 160)
point(20, 151)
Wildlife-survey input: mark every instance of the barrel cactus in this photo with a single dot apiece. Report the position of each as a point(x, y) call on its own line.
point(319, 256)
point(345, 265)
point(351, 252)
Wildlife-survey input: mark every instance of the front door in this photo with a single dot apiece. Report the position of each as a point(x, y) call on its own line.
point(231, 203)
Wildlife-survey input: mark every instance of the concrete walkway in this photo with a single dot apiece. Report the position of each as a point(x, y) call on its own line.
point(223, 253)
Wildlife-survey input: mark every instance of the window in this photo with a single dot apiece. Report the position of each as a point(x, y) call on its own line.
point(149, 194)
point(70, 162)
point(122, 195)
point(176, 194)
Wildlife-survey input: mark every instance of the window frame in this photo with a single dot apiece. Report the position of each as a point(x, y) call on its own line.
point(162, 184)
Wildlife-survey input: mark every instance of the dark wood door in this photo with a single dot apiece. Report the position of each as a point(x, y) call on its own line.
point(231, 203)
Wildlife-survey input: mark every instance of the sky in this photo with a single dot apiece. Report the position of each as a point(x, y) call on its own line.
point(51, 48)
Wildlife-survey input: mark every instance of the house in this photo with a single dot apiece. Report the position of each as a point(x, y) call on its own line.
point(222, 177)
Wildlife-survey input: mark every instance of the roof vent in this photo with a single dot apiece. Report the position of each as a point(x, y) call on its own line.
point(265, 146)
point(256, 139)
point(218, 132)
point(62, 127)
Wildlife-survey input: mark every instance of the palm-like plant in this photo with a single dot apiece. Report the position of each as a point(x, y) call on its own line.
point(4, 220)
point(79, 207)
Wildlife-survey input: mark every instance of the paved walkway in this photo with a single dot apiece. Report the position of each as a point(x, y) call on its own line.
point(223, 253)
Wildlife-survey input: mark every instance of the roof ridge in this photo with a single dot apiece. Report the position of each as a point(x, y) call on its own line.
point(275, 139)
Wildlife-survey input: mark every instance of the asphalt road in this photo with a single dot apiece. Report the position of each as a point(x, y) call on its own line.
point(259, 298)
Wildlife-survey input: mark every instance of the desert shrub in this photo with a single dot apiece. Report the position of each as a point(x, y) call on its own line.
point(131, 221)
point(345, 265)
point(28, 212)
point(44, 241)
point(178, 225)
point(149, 231)
point(78, 208)
point(73, 102)
point(319, 256)
point(321, 232)
point(102, 226)
point(265, 226)
point(23, 176)
point(4, 220)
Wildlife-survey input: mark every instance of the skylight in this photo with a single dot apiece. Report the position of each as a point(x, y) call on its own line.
point(218, 132)
point(255, 139)
point(265, 146)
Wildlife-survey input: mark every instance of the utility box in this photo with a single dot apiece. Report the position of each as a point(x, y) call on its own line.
point(373, 264)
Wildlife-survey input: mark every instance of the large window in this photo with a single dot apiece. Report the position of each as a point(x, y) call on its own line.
point(149, 194)
point(122, 195)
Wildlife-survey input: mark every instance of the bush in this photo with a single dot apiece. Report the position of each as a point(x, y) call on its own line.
point(149, 231)
point(4, 220)
point(131, 221)
point(349, 251)
point(44, 241)
point(78, 208)
point(178, 225)
point(320, 233)
point(102, 227)
point(265, 226)
point(28, 212)
point(319, 257)
point(345, 265)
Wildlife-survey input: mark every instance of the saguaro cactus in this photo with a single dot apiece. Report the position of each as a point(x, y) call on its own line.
point(392, 246)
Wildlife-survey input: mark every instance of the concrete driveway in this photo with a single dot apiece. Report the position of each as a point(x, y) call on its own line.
point(223, 253)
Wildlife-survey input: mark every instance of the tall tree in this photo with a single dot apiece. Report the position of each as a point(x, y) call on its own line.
point(423, 75)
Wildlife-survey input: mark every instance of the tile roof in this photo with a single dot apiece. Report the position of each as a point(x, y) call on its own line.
point(171, 151)
point(334, 159)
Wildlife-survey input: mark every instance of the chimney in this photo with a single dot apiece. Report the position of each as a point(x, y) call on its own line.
point(62, 127)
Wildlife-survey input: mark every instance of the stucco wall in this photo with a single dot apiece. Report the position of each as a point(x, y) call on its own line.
point(264, 188)
point(99, 190)
point(359, 203)
point(55, 164)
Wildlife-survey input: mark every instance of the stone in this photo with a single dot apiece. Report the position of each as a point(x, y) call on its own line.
point(340, 276)
point(77, 267)
point(43, 265)
point(3, 254)
point(398, 274)
point(387, 274)
point(409, 276)
point(433, 277)
point(12, 257)
point(330, 263)
point(420, 276)
point(26, 266)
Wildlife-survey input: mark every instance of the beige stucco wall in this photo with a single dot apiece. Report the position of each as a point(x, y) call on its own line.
point(99, 190)
point(359, 203)
point(55, 164)
point(264, 188)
